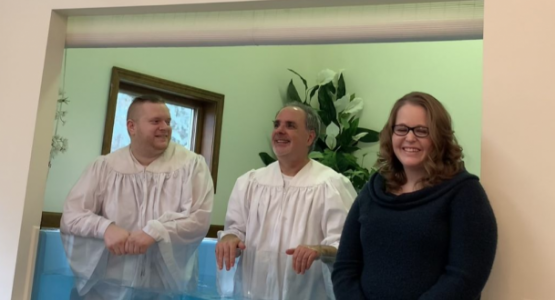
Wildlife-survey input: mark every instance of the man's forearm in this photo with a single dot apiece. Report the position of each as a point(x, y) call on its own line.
point(326, 253)
point(84, 224)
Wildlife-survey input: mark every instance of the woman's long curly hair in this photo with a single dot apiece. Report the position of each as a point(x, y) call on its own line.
point(445, 158)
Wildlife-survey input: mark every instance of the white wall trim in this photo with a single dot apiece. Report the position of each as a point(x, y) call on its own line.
point(453, 20)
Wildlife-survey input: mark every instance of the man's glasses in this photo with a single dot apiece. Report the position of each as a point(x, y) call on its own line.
point(419, 131)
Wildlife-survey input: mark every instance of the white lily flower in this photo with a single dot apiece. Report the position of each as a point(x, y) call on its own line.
point(325, 76)
point(331, 142)
point(359, 136)
point(342, 103)
point(332, 130)
point(336, 77)
point(354, 107)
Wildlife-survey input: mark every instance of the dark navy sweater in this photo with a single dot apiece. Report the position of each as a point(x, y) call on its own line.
point(437, 243)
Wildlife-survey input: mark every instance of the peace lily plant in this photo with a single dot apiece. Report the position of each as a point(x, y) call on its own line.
point(340, 112)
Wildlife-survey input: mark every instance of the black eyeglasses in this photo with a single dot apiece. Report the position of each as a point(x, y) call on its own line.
point(419, 131)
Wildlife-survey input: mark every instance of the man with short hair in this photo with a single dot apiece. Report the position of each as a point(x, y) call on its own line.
point(285, 220)
point(132, 223)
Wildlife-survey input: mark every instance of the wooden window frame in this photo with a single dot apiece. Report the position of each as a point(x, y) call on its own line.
point(208, 105)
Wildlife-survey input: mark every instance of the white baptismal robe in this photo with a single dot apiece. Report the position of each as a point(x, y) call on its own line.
point(171, 200)
point(272, 215)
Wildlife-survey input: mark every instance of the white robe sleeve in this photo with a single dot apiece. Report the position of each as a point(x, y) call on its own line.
point(84, 203)
point(190, 225)
point(237, 209)
point(179, 233)
point(82, 228)
point(340, 195)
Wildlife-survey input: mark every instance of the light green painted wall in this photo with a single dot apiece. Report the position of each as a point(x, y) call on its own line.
point(253, 79)
point(249, 78)
point(383, 73)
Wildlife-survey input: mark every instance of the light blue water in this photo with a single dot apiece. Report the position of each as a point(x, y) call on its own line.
point(59, 287)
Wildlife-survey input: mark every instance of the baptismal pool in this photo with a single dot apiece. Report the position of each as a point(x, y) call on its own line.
point(54, 280)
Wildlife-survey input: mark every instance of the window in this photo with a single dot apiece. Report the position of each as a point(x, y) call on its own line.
point(196, 114)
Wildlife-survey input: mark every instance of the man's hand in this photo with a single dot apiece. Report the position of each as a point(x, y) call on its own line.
point(138, 242)
point(115, 238)
point(303, 257)
point(226, 251)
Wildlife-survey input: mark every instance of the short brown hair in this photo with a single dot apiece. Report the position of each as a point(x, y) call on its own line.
point(131, 111)
point(445, 158)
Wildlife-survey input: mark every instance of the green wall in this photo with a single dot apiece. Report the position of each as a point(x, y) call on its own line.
point(253, 80)
point(382, 73)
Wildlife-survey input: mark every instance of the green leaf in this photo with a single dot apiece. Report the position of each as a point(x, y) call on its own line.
point(313, 92)
point(354, 125)
point(266, 158)
point(316, 155)
point(320, 145)
point(346, 161)
point(327, 108)
point(349, 149)
point(371, 137)
point(358, 136)
point(345, 139)
point(304, 81)
point(329, 159)
point(353, 96)
point(358, 176)
point(332, 89)
point(345, 123)
point(341, 87)
point(292, 94)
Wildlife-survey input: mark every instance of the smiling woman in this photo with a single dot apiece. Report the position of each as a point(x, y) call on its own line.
point(422, 219)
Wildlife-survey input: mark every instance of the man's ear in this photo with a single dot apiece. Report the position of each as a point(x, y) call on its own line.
point(130, 127)
point(311, 137)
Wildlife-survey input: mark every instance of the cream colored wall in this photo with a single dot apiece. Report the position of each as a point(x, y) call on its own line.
point(518, 141)
point(516, 145)
point(28, 90)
